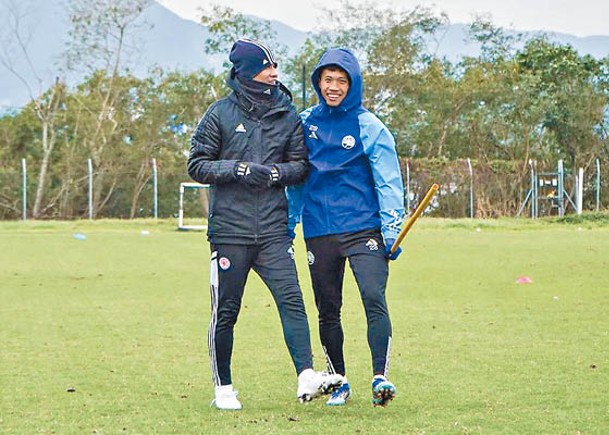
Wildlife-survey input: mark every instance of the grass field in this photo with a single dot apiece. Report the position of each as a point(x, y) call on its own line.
point(107, 335)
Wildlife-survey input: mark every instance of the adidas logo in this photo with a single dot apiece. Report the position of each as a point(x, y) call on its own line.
point(240, 129)
point(268, 92)
point(264, 62)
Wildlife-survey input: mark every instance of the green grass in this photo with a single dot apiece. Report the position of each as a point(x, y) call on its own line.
point(108, 335)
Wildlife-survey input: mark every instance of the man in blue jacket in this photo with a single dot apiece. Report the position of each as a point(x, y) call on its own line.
point(351, 207)
point(248, 147)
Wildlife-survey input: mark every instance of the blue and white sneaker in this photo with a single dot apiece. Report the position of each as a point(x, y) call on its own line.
point(383, 391)
point(340, 396)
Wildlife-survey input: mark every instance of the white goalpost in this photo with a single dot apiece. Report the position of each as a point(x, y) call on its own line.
point(183, 187)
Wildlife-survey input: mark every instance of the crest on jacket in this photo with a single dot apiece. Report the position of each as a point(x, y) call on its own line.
point(348, 142)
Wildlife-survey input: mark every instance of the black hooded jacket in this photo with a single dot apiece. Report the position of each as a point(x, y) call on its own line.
point(246, 128)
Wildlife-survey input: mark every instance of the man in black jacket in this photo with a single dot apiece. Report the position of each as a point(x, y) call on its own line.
point(248, 147)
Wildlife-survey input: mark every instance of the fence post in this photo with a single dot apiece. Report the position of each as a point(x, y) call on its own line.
point(24, 190)
point(90, 167)
point(407, 188)
point(598, 184)
point(533, 166)
point(155, 188)
point(561, 188)
point(580, 190)
point(304, 87)
point(471, 188)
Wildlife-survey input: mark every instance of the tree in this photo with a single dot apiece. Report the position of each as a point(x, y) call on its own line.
point(575, 93)
point(45, 105)
point(101, 35)
point(168, 106)
point(226, 26)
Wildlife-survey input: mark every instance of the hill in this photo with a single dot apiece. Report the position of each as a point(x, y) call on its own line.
point(174, 43)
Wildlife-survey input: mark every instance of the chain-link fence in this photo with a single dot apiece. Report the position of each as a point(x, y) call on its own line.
point(468, 188)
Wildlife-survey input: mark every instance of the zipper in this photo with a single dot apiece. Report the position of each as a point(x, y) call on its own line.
point(259, 158)
point(326, 196)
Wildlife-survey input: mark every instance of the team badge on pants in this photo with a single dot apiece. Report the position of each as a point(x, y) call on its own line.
point(372, 245)
point(224, 263)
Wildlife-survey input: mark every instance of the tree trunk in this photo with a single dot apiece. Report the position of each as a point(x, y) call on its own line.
point(47, 147)
point(143, 176)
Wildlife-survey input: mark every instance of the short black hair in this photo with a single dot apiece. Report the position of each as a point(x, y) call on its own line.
point(335, 67)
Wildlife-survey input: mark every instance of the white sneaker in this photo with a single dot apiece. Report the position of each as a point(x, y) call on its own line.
point(226, 398)
point(312, 384)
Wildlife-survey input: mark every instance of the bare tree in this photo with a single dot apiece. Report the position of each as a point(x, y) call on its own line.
point(45, 104)
point(102, 36)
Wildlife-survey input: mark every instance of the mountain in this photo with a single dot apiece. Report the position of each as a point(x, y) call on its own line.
point(47, 32)
point(170, 42)
point(176, 43)
point(450, 41)
point(596, 46)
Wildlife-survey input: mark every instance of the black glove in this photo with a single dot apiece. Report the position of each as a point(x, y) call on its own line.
point(275, 175)
point(253, 174)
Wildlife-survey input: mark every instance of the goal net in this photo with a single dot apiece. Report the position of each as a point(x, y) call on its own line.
point(193, 206)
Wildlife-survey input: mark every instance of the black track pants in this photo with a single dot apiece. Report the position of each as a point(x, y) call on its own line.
point(365, 251)
point(273, 262)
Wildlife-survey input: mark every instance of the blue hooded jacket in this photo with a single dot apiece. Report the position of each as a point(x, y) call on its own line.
point(355, 182)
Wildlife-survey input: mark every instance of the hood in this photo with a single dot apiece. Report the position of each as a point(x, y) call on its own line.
point(345, 59)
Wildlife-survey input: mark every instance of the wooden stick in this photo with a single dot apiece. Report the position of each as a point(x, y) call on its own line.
point(419, 210)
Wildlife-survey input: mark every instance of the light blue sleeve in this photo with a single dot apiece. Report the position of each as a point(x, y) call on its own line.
point(294, 192)
point(380, 148)
point(305, 114)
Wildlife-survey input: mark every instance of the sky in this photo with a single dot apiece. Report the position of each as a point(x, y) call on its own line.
point(576, 17)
